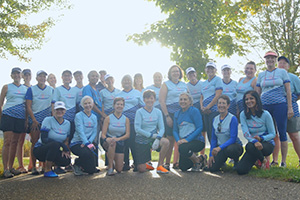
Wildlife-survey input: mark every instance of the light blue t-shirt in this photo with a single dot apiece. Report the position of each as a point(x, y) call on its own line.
point(117, 126)
point(107, 98)
point(229, 89)
point(85, 129)
point(15, 101)
point(208, 90)
point(258, 126)
point(174, 91)
point(188, 125)
point(272, 86)
point(295, 90)
point(68, 96)
point(241, 89)
point(78, 98)
point(156, 90)
point(41, 101)
point(89, 91)
point(148, 123)
point(195, 91)
point(133, 101)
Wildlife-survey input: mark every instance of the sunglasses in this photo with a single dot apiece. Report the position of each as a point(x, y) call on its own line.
point(219, 127)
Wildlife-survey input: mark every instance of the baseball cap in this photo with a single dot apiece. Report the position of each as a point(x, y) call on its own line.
point(212, 64)
point(225, 67)
point(271, 53)
point(41, 72)
point(107, 76)
point(16, 69)
point(190, 69)
point(26, 71)
point(77, 72)
point(285, 58)
point(59, 104)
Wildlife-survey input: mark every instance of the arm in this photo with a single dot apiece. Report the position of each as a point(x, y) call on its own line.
point(270, 127)
point(289, 99)
point(175, 129)
point(253, 84)
point(233, 133)
point(197, 120)
point(105, 127)
point(201, 102)
point(162, 100)
point(2, 97)
point(127, 133)
point(138, 125)
point(245, 129)
point(35, 123)
point(258, 88)
point(80, 130)
point(213, 141)
point(161, 126)
point(215, 99)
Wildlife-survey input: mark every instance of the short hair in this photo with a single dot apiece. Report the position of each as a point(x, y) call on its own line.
point(91, 72)
point(119, 99)
point(189, 96)
point(125, 77)
point(102, 72)
point(180, 71)
point(148, 93)
point(225, 97)
point(66, 71)
point(84, 99)
point(77, 72)
point(259, 108)
point(251, 63)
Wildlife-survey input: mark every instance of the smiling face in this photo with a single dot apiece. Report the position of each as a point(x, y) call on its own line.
point(51, 80)
point(127, 83)
point(16, 76)
point(26, 77)
point(250, 70)
point(250, 101)
point(184, 102)
point(271, 61)
point(192, 76)
point(93, 77)
point(210, 71)
point(157, 79)
point(67, 78)
point(222, 106)
point(88, 105)
point(110, 81)
point(283, 64)
point(78, 78)
point(175, 74)
point(59, 113)
point(226, 73)
point(41, 79)
point(119, 106)
point(149, 101)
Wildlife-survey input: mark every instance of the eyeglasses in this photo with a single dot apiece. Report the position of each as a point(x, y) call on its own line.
point(219, 127)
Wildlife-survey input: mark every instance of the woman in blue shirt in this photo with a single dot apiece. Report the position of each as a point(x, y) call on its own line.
point(116, 129)
point(82, 142)
point(224, 139)
point(274, 87)
point(55, 132)
point(258, 128)
point(12, 116)
point(187, 133)
point(229, 88)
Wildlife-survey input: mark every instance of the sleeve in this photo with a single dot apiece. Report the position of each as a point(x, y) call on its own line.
point(258, 80)
point(219, 84)
point(79, 127)
point(245, 128)
point(197, 120)
point(28, 95)
point(270, 127)
point(45, 128)
point(175, 127)
point(94, 132)
point(296, 84)
point(213, 140)
point(138, 125)
point(56, 95)
point(87, 92)
point(161, 125)
point(285, 76)
point(233, 133)
point(141, 101)
point(68, 131)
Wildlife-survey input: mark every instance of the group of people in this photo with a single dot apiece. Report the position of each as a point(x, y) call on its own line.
point(170, 116)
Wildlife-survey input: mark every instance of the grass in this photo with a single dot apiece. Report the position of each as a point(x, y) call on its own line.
point(290, 174)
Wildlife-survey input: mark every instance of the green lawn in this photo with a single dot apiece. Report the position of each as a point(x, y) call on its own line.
point(291, 173)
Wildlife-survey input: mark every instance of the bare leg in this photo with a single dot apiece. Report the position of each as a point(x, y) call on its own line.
point(34, 138)
point(20, 150)
point(111, 155)
point(284, 151)
point(276, 149)
point(176, 153)
point(141, 168)
point(164, 146)
point(48, 166)
point(296, 142)
point(194, 158)
point(170, 150)
point(119, 158)
point(5, 149)
point(13, 149)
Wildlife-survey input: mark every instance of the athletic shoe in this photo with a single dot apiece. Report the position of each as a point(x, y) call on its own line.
point(59, 170)
point(69, 168)
point(274, 164)
point(176, 165)
point(265, 164)
point(77, 171)
point(149, 166)
point(258, 164)
point(167, 166)
point(161, 170)
point(126, 168)
point(196, 167)
point(283, 165)
point(34, 171)
point(110, 172)
point(231, 161)
point(15, 172)
point(22, 170)
point(203, 161)
point(50, 174)
point(7, 174)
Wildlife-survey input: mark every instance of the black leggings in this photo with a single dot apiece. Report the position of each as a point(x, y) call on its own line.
point(207, 121)
point(186, 150)
point(130, 143)
point(233, 151)
point(50, 152)
point(252, 155)
point(86, 159)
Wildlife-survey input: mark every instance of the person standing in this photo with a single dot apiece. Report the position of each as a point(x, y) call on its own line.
point(157, 82)
point(229, 88)
point(78, 76)
point(101, 85)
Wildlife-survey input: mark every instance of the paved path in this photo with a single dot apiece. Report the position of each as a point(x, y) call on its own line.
point(150, 185)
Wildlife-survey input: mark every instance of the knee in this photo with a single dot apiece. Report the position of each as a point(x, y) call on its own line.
point(164, 142)
point(54, 145)
point(294, 136)
point(250, 147)
point(283, 137)
point(141, 168)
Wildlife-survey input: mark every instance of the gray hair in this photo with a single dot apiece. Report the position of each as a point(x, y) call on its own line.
point(127, 76)
point(85, 98)
point(189, 96)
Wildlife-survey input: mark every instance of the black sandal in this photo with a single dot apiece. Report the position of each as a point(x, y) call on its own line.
point(176, 165)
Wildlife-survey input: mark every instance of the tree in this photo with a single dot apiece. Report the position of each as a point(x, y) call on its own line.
point(277, 26)
point(17, 36)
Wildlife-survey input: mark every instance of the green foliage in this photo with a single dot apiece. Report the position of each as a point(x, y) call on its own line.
point(17, 36)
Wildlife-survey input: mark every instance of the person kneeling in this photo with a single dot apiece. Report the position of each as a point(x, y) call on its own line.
point(224, 141)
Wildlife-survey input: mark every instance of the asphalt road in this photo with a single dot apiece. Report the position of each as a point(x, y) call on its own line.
point(150, 185)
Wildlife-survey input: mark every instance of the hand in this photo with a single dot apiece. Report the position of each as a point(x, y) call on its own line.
point(206, 110)
point(215, 151)
point(258, 138)
point(82, 145)
point(91, 146)
point(35, 126)
point(211, 160)
point(66, 154)
point(290, 113)
point(110, 141)
point(258, 145)
point(169, 121)
point(154, 136)
point(182, 141)
point(155, 144)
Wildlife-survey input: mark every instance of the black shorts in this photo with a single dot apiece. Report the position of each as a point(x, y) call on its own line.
point(143, 153)
point(168, 130)
point(13, 124)
point(119, 147)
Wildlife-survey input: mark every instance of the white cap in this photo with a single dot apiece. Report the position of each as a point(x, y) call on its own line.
point(107, 76)
point(41, 72)
point(190, 69)
point(212, 64)
point(59, 104)
point(225, 67)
